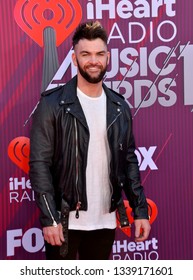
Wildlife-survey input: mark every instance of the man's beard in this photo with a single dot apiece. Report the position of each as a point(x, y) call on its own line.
point(89, 78)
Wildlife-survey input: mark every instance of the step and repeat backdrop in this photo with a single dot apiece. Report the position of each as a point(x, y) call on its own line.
point(151, 46)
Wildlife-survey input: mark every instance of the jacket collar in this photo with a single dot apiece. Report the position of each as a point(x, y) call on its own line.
point(69, 94)
point(69, 98)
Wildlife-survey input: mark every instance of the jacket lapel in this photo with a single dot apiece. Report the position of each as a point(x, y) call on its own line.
point(70, 100)
point(114, 107)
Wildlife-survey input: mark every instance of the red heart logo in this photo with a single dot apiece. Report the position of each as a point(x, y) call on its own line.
point(18, 152)
point(152, 212)
point(33, 16)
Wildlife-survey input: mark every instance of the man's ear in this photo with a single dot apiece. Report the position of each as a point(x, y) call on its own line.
point(108, 57)
point(74, 59)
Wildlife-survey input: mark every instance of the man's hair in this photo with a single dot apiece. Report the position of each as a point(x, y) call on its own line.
point(90, 31)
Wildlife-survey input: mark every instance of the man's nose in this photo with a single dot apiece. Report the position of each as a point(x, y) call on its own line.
point(93, 59)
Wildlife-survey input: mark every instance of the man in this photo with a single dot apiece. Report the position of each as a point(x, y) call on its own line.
point(82, 153)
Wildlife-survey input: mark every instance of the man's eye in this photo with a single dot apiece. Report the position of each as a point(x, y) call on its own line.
point(101, 54)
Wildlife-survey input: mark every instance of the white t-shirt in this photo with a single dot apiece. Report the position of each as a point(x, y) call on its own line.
point(97, 172)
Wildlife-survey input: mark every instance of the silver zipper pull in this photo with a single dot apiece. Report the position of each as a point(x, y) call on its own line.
point(55, 224)
point(78, 205)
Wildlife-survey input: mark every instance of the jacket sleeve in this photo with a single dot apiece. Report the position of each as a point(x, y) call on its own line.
point(134, 190)
point(41, 154)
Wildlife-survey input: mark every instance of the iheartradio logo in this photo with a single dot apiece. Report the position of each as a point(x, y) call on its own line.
point(18, 152)
point(34, 16)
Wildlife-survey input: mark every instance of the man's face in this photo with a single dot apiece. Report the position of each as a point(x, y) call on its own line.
point(91, 58)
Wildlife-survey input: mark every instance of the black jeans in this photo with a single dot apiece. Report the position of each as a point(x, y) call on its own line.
point(85, 245)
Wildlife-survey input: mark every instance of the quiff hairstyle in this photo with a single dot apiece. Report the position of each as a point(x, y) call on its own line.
point(90, 31)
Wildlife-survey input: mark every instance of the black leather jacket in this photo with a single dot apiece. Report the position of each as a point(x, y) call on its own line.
point(58, 154)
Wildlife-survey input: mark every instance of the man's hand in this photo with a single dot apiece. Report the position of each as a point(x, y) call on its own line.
point(54, 235)
point(142, 229)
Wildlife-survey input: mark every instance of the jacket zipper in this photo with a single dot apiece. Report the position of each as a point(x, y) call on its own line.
point(114, 120)
point(78, 205)
point(48, 207)
point(107, 134)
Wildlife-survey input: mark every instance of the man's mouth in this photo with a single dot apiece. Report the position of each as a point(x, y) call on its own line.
point(93, 68)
